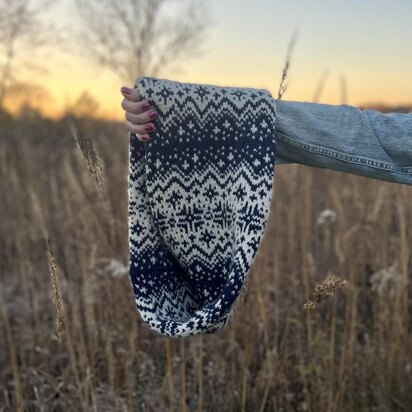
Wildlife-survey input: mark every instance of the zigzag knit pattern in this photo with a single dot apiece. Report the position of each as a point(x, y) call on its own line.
point(199, 198)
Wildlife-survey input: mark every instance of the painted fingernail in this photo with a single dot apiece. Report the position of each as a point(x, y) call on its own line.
point(145, 138)
point(149, 127)
point(145, 106)
point(153, 114)
point(126, 90)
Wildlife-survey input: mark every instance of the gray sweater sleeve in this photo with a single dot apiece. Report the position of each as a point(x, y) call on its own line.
point(345, 138)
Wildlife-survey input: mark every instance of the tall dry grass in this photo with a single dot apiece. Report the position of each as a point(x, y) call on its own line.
point(352, 352)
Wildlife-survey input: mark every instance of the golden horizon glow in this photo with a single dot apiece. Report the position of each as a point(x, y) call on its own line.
point(365, 44)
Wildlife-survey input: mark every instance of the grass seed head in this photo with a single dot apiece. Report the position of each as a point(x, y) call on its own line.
point(326, 288)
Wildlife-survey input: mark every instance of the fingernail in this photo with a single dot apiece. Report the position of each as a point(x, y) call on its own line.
point(153, 114)
point(126, 90)
point(149, 127)
point(145, 138)
point(146, 106)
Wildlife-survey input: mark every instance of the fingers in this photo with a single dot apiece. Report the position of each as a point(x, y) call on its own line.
point(142, 137)
point(138, 113)
point(141, 118)
point(140, 128)
point(135, 107)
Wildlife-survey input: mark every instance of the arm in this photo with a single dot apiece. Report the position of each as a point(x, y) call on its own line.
point(345, 138)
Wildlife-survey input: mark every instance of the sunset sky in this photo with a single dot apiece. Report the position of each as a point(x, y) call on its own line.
point(368, 41)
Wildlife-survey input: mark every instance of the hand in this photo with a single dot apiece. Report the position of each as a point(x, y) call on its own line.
point(138, 113)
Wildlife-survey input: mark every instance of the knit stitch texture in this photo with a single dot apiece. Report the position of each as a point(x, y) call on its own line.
point(199, 198)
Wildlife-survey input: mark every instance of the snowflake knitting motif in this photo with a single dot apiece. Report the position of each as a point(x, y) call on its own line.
point(165, 94)
point(222, 213)
point(240, 193)
point(201, 91)
point(239, 94)
point(175, 198)
point(190, 219)
point(210, 192)
point(206, 237)
point(216, 96)
point(189, 197)
point(196, 191)
point(253, 129)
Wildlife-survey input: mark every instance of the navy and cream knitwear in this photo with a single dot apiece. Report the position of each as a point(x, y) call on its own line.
point(199, 198)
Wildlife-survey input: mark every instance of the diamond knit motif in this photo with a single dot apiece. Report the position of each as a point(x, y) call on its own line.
point(199, 198)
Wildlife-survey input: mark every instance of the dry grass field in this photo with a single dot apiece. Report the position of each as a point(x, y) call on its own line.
point(64, 241)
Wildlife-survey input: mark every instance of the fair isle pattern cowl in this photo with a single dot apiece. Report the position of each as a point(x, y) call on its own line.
point(199, 198)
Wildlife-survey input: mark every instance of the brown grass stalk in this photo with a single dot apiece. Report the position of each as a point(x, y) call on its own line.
point(183, 376)
point(285, 71)
point(57, 296)
point(11, 345)
point(169, 372)
point(96, 169)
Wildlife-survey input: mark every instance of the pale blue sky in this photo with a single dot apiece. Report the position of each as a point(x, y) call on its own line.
point(370, 41)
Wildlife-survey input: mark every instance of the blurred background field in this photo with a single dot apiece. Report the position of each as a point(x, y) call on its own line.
point(63, 223)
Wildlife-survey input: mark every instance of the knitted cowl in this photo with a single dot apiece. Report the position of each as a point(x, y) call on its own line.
point(199, 198)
